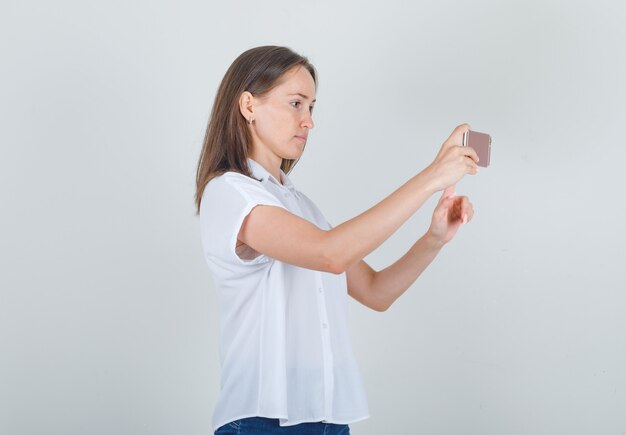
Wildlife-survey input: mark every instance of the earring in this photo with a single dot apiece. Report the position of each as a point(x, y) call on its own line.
point(250, 121)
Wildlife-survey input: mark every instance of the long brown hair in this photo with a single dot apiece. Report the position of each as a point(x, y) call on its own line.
point(227, 141)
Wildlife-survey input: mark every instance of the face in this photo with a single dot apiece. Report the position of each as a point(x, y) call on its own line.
point(282, 118)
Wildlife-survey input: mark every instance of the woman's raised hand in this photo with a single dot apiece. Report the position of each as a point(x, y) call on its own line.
point(453, 161)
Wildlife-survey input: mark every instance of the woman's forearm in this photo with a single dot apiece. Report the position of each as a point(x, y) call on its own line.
point(390, 283)
point(353, 240)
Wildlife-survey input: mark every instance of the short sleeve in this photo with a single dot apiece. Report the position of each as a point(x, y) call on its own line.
point(226, 201)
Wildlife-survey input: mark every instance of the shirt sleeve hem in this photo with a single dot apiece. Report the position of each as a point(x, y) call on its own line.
point(262, 258)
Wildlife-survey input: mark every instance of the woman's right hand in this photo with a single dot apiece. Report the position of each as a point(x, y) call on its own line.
point(453, 161)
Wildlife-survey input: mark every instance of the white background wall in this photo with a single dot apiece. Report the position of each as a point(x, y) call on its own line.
point(107, 311)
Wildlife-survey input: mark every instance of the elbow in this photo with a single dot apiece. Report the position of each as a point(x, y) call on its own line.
point(380, 307)
point(334, 261)
point(380, 303)
point(336, 264)
point(335, 267)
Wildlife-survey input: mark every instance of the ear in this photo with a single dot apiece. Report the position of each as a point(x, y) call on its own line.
point(246, 105)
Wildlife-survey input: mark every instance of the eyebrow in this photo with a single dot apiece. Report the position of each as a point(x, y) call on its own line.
point(303, 96)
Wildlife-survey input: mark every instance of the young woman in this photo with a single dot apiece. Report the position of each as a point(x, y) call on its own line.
point(282, 272)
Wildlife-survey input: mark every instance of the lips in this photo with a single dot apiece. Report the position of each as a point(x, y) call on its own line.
point(302, 137)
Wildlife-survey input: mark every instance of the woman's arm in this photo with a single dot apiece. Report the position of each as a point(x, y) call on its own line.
point(286, 237)
point(280, 234)
point(353, 240)
point(379, 290)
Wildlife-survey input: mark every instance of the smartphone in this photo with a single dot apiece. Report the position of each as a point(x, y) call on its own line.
point(481, 142)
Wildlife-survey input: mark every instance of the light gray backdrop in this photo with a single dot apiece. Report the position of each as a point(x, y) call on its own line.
point(107, 310)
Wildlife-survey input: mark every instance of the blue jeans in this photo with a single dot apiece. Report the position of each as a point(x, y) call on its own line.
point(262, 426)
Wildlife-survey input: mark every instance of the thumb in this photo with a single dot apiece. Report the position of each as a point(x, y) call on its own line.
point(447, 195)
point(449, 191)
point(456, 138)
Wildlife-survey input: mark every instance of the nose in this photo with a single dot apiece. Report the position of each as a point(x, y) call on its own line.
point(308, 121)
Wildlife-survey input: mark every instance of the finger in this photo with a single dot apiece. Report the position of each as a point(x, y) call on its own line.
point(445, 206)
point(467, 210)
point(447, 194)
point(465, 206)
point(456, 138)
point(471, 153)
point(459, 215)
point(457, 209)
point(468, 216)
point(472, 167)
point(463, 215)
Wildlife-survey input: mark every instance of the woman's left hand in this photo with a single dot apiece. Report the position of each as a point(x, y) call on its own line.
point(451, 212)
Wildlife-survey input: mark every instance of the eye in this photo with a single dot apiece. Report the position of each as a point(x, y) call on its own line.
point(299, 102)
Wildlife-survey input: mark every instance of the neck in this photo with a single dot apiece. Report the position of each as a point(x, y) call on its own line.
point(270, 163)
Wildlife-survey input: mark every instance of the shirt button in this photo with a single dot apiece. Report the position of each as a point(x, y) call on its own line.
point(286, 194)
point(319, 289)
point(325, 325)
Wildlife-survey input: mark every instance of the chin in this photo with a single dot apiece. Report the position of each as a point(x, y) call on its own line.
point(292, 156)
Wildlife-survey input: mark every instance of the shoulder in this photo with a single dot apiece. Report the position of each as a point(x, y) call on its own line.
point(235, 191)
point(231, 182)
point(232, 178)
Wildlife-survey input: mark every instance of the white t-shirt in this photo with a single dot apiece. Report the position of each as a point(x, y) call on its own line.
point(285, 348)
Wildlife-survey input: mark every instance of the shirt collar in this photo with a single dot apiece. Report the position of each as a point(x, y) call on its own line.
point(258, 171)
